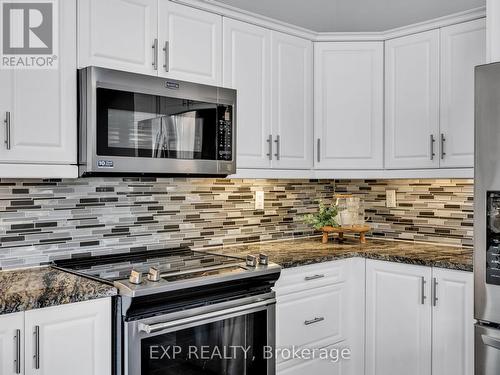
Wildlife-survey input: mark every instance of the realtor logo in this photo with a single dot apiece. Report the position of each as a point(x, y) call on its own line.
point(29, 31)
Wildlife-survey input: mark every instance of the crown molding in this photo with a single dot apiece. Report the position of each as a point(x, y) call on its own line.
point(217, 7)
point(249, 17)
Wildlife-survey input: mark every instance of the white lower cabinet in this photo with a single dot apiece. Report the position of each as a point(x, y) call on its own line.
point(419, 320)
point(67, 339)
point(321, 308)
point(11, 342)
point(453, 323)
point(398, 319)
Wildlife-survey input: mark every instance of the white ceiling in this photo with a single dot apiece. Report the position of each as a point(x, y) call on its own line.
point(354, 15)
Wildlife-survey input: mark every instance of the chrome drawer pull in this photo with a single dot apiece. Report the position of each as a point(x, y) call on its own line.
point(166, 50)
point(17, 361)
point(314, 277)
point(155, 54)
point(434, 291)
point(37, 347)
point(7, 130)
point(270, 145)
point(423, 296)
point(312, 321)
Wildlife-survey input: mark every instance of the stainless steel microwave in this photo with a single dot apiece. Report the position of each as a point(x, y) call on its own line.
point(137, 124)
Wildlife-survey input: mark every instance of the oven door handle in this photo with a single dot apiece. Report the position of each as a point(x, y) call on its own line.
point(152, 328)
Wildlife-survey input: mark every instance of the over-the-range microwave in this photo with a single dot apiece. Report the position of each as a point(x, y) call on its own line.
point(137, 124)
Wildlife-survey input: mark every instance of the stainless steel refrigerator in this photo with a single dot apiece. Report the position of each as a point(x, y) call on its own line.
point(487, 220)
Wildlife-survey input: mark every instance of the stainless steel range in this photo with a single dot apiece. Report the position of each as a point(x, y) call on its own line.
point(186, 312)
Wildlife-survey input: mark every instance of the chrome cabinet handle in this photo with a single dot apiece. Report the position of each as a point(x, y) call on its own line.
point(434, 291)
point(7, 130)
point(278, 151)
point(17, 360)
point(432, 141)
point(166, 50)
point(443, 140)
point(270, 147)
point(314, 277)
point(36, 356)
point(155, 54)
point(312, 321)
point(318, 150)
point(423, 296)
point(491, 341)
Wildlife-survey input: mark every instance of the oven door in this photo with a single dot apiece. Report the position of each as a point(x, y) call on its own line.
point(220, 339)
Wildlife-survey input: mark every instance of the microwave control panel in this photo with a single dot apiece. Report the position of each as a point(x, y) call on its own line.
point(224, 133)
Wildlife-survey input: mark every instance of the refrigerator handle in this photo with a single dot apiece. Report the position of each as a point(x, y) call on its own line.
point(490, 341)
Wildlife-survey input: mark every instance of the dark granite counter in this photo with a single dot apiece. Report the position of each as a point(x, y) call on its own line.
point(34, 288)
point(304, 251)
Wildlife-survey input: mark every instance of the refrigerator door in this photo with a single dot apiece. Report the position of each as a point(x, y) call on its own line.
point(487, 194)
point(487, 353)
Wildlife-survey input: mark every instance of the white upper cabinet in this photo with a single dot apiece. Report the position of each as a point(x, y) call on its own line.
point(348, 108)
point(118, 34)
point(463, 46)
point(151, 37)
point(12, 344)
point(72, 339)
point(190, 44)
point(412, 101)
point(38, 106)
point(292, 101)
point(247, 68)
point(452, 322)
point(398, 319)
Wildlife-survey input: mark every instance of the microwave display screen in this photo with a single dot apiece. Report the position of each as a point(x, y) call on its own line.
point(149, 126)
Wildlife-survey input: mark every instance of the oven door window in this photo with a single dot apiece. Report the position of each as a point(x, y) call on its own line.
point(233, 346)
point(148, 126)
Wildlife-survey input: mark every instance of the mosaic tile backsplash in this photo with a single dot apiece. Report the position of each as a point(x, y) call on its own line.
point(42, 220)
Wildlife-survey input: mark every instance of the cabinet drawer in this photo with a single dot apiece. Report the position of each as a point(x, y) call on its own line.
point(311, 317)
point(317, 365)
point(311, 277)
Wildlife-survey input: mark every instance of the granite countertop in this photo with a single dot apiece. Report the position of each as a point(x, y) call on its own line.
point(34, 288)
point(304, 251)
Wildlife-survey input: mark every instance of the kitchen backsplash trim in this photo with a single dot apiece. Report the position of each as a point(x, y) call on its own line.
point(43, 220)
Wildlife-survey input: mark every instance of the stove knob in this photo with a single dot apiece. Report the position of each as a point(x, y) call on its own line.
point(263, 259)
point(251, 261)
point(135, 277)
point(154, 274)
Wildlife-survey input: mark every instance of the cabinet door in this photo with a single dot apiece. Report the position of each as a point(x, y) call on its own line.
point(42, 104)
point(349, 105)
point(117, 34)
point(398, 319)
point(463, 46)
point(452, 323)
point(72, 339)
point(412, 101)
point(12, 344)
point(190, 44)
point(292, 94)
point(247, 68)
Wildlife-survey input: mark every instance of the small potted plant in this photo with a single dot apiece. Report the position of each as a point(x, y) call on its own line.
point(326, 217)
